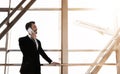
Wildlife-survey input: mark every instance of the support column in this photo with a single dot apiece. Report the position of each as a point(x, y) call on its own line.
point(64, 37)
point(118, 59)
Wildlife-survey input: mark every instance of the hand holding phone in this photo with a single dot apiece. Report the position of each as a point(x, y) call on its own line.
point(32, 33)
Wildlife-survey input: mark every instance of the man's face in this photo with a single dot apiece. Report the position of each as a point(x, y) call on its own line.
point(34, 28)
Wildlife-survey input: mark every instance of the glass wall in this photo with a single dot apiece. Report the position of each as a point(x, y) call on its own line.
point(3, 41)
point(47, 15)
point(91, 25)
point(48, 29)
point(4, 4)
point(49, 32)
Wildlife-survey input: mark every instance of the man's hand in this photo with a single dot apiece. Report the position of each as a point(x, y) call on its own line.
point(55, 63)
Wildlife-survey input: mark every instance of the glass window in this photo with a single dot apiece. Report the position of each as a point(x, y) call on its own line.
point(12, 59)
point(3, 15)
point(87, 29)
point(47, 4)
point(13, 70)
point(2, 69)
point(4, 3)
point(82, 57)
point(112, 58)
point(77, 69)
point(3, 42)
point(37, 4)
point(83, 69)
point(50, 69)
point(2, 57)
point(108, 69)
point(14, 3)
point(49, 29)
point(91, 3)
point(91, 29)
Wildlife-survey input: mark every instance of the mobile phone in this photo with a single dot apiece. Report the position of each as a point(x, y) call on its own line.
point(30, 31)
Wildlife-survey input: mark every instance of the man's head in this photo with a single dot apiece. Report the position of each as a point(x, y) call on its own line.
point(31, 25)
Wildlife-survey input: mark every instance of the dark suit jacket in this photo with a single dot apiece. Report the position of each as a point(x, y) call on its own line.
point(31, 60)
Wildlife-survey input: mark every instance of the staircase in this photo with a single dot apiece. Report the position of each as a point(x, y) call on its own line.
point(113, 45)
point(8, 25)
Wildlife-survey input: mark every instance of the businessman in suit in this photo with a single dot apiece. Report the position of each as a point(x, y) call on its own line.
point(31, 48)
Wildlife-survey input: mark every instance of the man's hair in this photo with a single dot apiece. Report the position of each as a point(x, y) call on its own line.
point(29, 24)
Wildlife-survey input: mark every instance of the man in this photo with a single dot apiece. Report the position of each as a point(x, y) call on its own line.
point(31, 47)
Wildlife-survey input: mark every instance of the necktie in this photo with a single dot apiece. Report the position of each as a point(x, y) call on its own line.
point(35, 41)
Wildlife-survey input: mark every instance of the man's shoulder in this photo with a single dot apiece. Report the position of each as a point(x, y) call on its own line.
point(22, 38)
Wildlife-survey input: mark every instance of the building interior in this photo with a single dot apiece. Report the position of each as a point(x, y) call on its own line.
point(82, 35)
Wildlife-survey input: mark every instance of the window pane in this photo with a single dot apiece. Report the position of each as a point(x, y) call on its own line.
point(82, 33)
point(14, 3)
point(112, 58)
point(108, 70)
point(13, 69)
point(2, 57)
point(2, 69)
point(77, 69)
point(49, 29)
point(4, 3)
point(14, 58)
point(47, 4)
point(91, 3)
point(3, 15)
point(50, 70)
point(3, 40)
point(82, 57)
point(83, 70)
point(39, 3)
